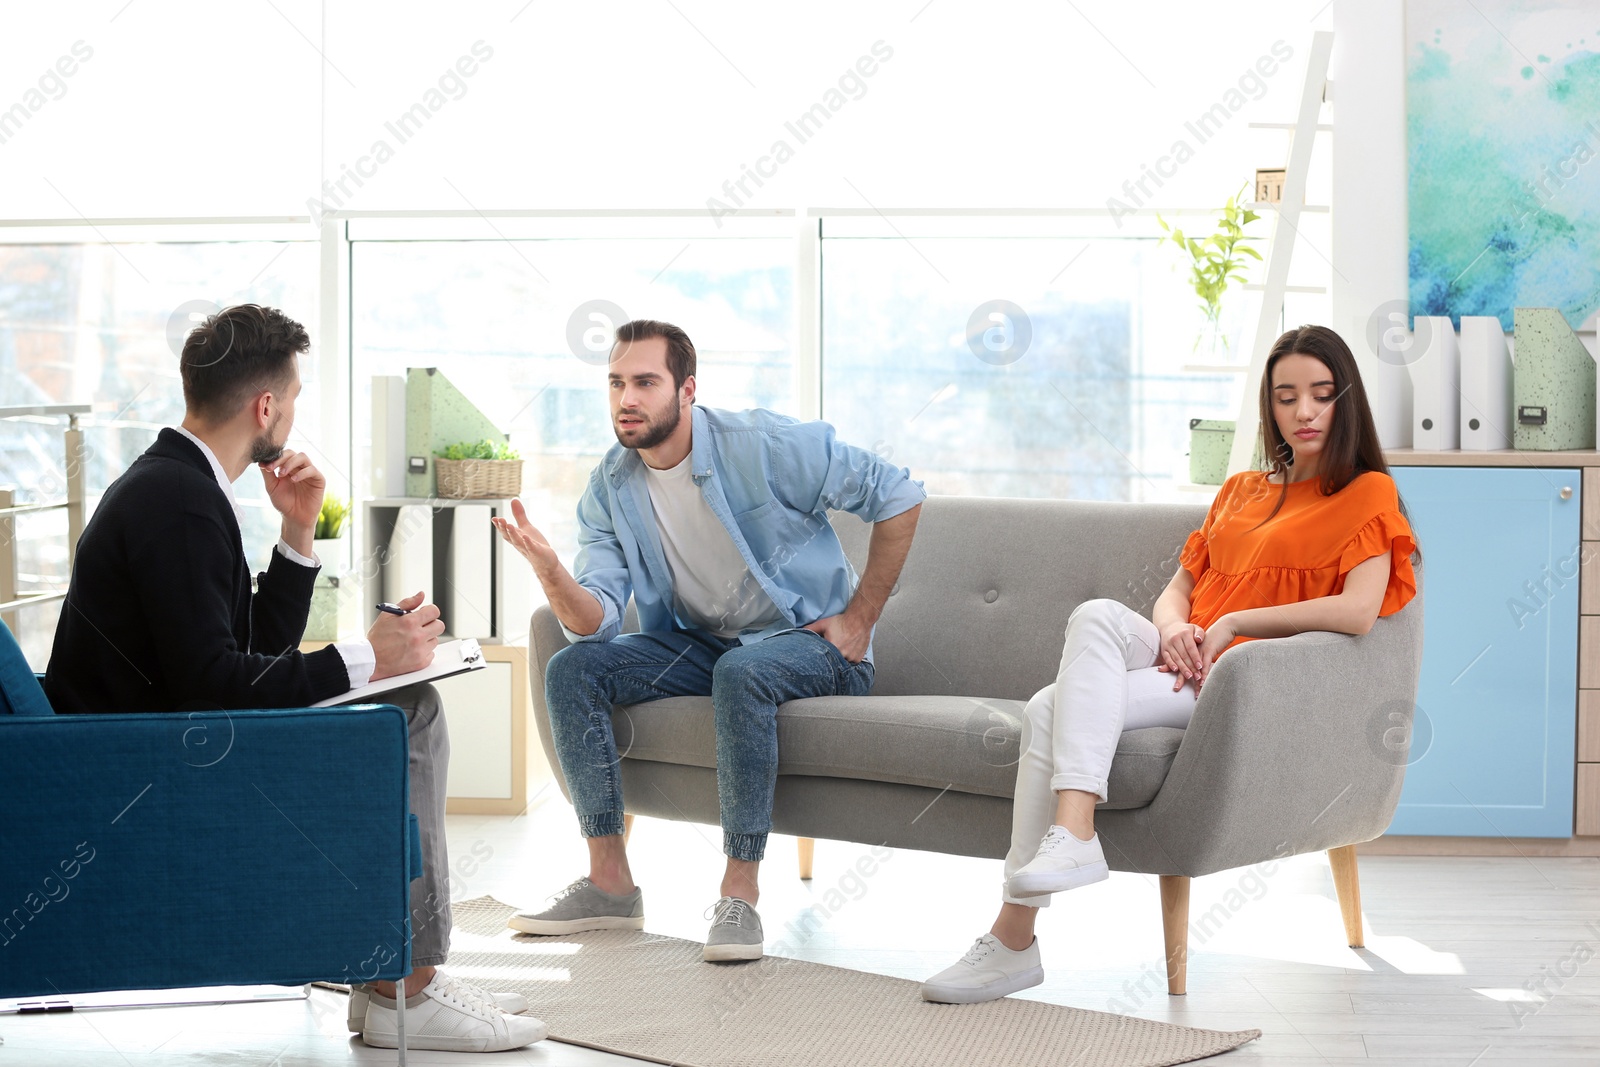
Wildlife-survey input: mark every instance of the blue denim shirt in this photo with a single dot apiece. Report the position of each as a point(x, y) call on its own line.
point(771, 480)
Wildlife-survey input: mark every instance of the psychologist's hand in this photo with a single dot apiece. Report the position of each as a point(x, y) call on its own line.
point(295, 487)
point(527, 540)
point(405, 643)
point(1180, 653)
point(848, 633)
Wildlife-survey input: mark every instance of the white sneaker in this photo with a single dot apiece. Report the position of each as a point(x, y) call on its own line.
point(988, 971)
point(356, 1011)
point(1062, 862)
point(449, 1016)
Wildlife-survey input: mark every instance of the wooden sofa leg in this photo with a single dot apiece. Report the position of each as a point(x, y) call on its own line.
point(808, 849)
point(1175, 922)
point(627, 827)
point(1347, 884)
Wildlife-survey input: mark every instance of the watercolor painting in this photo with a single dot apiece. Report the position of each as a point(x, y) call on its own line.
point(1502, 139)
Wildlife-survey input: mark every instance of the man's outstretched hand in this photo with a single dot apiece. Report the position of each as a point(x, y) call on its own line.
point(527, 540)
point(578, 609)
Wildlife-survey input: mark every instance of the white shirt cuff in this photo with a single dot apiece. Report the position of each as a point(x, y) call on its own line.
point(294, 557)
point(359, 660)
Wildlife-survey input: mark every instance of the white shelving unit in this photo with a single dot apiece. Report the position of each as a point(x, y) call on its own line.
point(510, 579)
point(1285, 235)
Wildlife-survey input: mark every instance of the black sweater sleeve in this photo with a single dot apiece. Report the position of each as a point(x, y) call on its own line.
point(185, 575)
point(281, 606)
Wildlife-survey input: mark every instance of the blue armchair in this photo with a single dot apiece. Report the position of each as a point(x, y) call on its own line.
point(153, 851)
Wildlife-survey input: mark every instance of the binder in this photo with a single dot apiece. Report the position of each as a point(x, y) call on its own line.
point(409, 567)
point(467, 599)
point(1436, 386)
point(1554, 386)
point(388, 435)
point(513, 589)
point(1486, 376)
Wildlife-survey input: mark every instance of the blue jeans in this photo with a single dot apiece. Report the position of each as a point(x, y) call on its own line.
point(746, 684)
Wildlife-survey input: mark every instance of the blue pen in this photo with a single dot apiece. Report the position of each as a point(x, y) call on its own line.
point(390, 609)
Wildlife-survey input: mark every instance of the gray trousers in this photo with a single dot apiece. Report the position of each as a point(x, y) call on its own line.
point(429, 766)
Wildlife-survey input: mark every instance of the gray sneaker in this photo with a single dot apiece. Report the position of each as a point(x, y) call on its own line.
point(583, 906)
point(735, 931)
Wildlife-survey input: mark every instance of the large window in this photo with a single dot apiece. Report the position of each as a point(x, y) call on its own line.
point(99, 323)
point(1015, 366)
point(523, 328)
point(991, 354)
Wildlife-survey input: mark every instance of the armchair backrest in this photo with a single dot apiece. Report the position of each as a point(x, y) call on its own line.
point(164, 850)
point(20, 692)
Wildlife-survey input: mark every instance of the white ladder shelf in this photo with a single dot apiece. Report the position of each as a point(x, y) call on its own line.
point(1285, 229)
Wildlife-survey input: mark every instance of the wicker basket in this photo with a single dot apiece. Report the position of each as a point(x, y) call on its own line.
point(479, 479)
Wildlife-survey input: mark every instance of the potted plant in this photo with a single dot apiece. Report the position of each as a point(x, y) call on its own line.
point(479, 470)
point(1214, 263)
point(330, 527)
point(323, 621)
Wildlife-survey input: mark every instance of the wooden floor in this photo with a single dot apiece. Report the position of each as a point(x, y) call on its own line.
point(1468, 961)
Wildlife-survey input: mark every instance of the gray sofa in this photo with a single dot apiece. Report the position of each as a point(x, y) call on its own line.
point(1297, 745)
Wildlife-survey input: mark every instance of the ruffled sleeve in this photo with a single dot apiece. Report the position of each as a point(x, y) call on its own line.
point(1388, 531)
point(1195, 556)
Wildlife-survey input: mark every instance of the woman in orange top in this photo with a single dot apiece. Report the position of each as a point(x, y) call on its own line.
point(1319, 541)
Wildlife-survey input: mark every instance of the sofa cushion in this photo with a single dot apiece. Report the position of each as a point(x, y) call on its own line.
point(942, 742)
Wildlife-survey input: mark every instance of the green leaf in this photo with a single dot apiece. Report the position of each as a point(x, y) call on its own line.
point(331, 519)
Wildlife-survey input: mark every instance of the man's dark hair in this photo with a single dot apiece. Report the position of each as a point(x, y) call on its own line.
point(680, 350)
point(235, 354)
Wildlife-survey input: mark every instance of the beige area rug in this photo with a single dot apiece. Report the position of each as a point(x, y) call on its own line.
point(654, 998)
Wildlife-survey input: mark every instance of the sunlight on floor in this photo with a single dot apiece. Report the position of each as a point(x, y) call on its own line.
point(1511, 996)
point(1410, 956)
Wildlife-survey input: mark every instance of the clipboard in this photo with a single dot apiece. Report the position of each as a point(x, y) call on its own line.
point(449, 659)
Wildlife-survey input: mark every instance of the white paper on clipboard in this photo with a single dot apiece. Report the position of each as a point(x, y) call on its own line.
point(450, 658)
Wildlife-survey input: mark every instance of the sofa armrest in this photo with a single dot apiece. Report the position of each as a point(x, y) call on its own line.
point(1297, 744)
point(545, 639)
point(150, 851)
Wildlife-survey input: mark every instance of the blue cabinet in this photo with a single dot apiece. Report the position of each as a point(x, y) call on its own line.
point(1493, 746)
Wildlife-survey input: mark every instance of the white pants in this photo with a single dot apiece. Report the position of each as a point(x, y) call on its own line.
point(1107, 683)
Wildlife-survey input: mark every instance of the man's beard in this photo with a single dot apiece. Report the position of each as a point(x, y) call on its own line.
point(656, 432)
point(263, 449)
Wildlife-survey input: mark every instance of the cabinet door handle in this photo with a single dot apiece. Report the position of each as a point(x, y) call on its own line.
point(1566, 492)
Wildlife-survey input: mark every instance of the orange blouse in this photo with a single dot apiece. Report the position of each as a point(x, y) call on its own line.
point(1304, 552)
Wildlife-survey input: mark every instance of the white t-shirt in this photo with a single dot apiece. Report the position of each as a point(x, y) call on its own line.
point(712, 586)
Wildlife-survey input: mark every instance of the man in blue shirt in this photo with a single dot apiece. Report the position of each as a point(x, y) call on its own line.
point(716, 522)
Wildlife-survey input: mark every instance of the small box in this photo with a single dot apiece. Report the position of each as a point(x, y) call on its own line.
point(1269, 186)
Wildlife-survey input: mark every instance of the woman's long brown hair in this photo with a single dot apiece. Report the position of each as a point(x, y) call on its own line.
point(1352, 447)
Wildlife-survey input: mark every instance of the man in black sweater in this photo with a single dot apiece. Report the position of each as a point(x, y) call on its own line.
point(160, 616)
